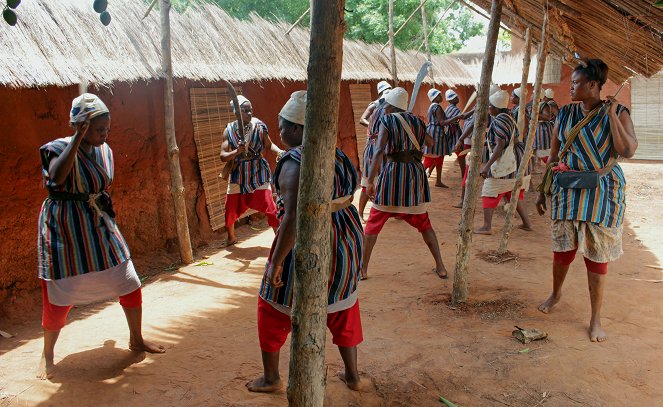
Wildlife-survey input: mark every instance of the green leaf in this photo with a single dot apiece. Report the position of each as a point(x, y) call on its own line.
point(204, 263)
point(526, 350)
point(659, 3)
point(447, 402)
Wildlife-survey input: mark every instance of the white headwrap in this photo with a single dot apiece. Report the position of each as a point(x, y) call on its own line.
point(86, 106)
point(517, 92)
point(500, 99)
point(549, 93)
point(382, 86)
point(432, 94)
point(397, 98)
point(450, 95)
point(493, 88)
point(241, 100)
point(294, 109)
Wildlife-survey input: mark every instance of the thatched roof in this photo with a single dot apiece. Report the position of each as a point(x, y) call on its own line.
point(507, 70)
point(625, 34)
point(63, 43)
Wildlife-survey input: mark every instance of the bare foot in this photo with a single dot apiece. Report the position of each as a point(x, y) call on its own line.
point(548, 304)
point(596, 332)
point(458, 205)
point(483, 231)
point(230, 242)
point(147, 346)
point(441, 272)
point(441, 185)
point(526, 228)
point(262, 385)
point(364, 274)
point(355, 384)
point(46, 368)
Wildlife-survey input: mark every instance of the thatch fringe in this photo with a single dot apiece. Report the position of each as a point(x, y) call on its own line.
point(63, 43)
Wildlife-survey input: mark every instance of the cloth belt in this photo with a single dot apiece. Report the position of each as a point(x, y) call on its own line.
point(407, 156)
point(106, 214)
point(249, 157)
point(342, 202)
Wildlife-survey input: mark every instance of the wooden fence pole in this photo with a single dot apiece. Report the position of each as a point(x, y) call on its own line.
point(460, 291)
point(306, 381)
point(176, 183)
point(510, 208)
point(392, 45)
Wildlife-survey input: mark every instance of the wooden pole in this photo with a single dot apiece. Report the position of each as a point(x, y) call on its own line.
point(306, 381)
point(407, 20)
point(437, 23)
point(394, 74)
point(527, 58)
point(460, 291)
point(298, 21)
point(510, 208)
point(176, 183)
point(424, 24)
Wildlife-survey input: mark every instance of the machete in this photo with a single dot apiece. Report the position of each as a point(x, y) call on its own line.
point(423, 71)
point(230, 165)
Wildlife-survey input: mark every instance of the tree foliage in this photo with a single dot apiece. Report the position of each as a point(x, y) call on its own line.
point(368, 20)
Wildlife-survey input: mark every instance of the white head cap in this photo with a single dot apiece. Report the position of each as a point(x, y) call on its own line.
point(493, 88)
point(549, 93)
point(433, 93)
point(382, 86)
point(397, 98)
point(294, 109)
point(518, 93)
point(86, 106)
point(500, 99)
point(450, 95)
point(241, 100)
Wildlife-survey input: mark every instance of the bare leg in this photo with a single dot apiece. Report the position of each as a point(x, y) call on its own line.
point(270, 380)
point(559, 274)
point(231, 234)
point(438, 176)
point(363, 200)
point(369, 244)
point(136, 341)
point(487, 222)
point(351, 375)
point(461, 163)
point(46, 365)
point(520, 208)
point(431, 241)
point(462, 198)
point(596, 285)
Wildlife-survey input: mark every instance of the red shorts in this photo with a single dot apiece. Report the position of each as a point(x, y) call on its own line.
point(377, 219)
point(493, 202)
point(430, 162)
point(274, 327)
point(259, 200)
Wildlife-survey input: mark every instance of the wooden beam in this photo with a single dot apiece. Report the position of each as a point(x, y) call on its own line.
point(529, 145)
point(406, 21)
point(394, 73)
point(176, 183)
point(437, 23)
point(523, 81)
point(424, 26)
point(298, 21)
point(306, 381)
point(466, 228)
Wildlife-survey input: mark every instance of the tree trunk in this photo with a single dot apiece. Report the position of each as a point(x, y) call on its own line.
point(392, 46)
point(523, 81)
point(466, 227)
point(306, 383)
point(510, 208)
point(424, 26)
point(176, 184)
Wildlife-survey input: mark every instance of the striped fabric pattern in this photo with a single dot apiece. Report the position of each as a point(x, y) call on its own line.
point(454, 128)
point(543, 138)
point(250, 174)
point(590, 151)
point(402, 184)
point(376, 118)
point(72, 239)
point(503, 127)
point(441, 140)
point(346, 239)
point(552, 104)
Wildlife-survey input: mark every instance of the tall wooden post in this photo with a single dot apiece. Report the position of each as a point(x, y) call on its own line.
point(523, 81)
point(176, 184)
point(306, 383)
point(510, 208)
point(466, 227)
point(392, 45)
point(424, 26)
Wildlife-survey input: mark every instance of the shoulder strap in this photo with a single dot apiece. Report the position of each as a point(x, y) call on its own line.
point(575, 130)
point(408, 130)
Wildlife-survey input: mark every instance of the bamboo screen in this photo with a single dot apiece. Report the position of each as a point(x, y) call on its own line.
point(360, 93)
point(647, 114)
point(210, 113)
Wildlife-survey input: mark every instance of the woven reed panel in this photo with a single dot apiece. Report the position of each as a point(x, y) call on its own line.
point(647, 114)
point(360, 93)
point(210, 113)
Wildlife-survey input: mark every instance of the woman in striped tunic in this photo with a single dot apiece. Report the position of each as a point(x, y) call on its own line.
point(371, 119)
point(249, 185)
point(589, 220)
point(543, 133)
point(83, 257)
point(276, 289)
point(501, 136)
point(515, 100)
point(438, 129)
point(401, 190)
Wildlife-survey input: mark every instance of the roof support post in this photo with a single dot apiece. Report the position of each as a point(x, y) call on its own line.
point(392, 46)
point(424, 24)
point(527, 58)
point(460, 290)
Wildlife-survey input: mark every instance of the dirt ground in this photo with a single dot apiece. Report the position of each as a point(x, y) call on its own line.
point(416, 347)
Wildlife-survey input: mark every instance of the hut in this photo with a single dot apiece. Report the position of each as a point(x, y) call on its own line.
point(58, 46)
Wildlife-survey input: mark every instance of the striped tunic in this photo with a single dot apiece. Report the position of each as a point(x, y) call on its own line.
point(373, 130)
point(441, 140)
point(252, 173)
point(73, 240)
point(543, 131)
point(503, 127)
point(454, 128)
point(346, 240)
point(590, 151)
point(402, 184)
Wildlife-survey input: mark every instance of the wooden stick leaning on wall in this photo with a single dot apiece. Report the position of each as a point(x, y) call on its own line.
point(460, 290)
point(176, 183)
point(306, 380)
point(510, 208)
